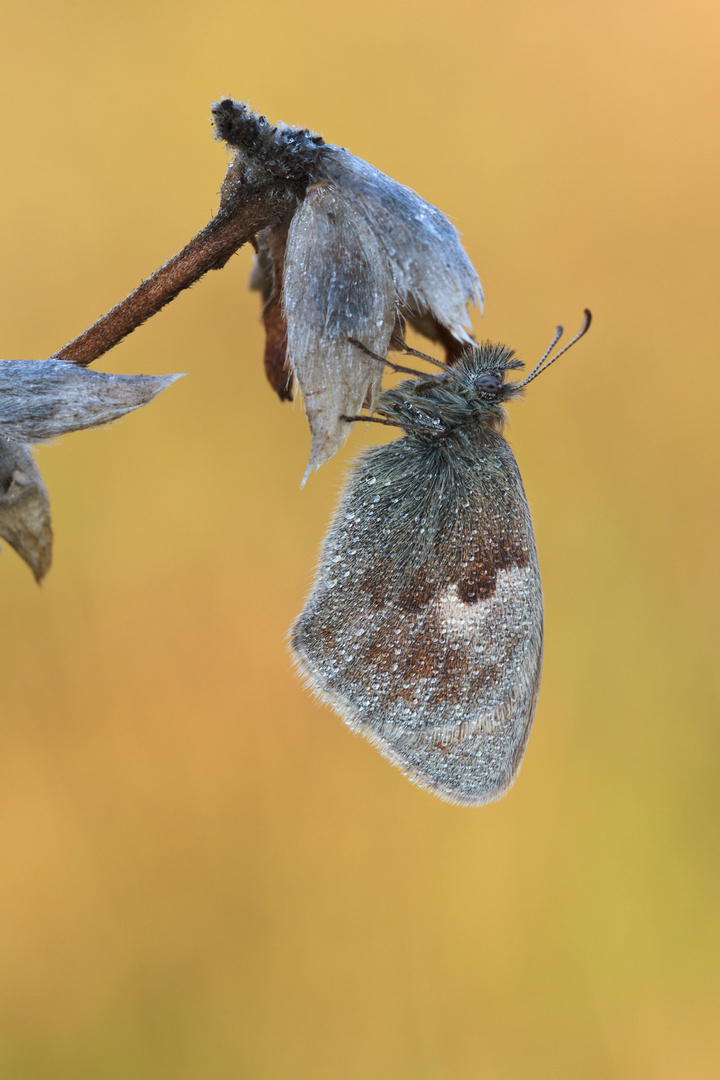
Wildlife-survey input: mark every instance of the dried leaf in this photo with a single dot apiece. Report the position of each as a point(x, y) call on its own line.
point(41, 399)
point(24, 508)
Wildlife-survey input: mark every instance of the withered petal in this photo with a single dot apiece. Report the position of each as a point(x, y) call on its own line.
point(337, 287)
point(25, 508)
point(430, 268)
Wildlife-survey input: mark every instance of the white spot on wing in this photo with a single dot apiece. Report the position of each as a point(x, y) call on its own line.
point(512, 600)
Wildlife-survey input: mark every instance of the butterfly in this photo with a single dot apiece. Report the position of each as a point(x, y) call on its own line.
point(424, 626)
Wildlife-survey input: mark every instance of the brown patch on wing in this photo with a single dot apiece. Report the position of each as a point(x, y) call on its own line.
point(419, 592)
point(478, 579)
point(478, 585)
point(472, 567)
point(412, 657)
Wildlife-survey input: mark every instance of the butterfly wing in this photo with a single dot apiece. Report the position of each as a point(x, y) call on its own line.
point(424, 625)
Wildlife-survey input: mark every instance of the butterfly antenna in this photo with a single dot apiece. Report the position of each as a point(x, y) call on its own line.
point(544, 363)
point(397, 367)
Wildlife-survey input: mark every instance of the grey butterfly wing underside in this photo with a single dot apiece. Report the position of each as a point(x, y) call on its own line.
point(424, 627)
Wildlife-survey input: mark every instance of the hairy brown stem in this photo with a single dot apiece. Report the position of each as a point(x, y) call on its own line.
point(242, 214)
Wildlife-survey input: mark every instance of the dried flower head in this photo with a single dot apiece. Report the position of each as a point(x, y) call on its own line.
point(357, 254)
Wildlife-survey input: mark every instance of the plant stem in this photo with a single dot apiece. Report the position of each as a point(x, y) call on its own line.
point(244, 211)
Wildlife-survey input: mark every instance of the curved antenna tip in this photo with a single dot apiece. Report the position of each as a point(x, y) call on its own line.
point(547, 359)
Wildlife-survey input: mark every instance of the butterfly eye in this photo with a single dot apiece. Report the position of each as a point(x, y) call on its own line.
point(489, 383)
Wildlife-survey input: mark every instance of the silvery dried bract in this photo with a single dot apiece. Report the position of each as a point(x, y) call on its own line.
point(39, 400)
point(24, 507)
point(358, 253)
point(337, 288)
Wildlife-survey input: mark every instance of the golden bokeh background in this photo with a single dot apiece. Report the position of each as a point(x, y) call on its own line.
point(202, 873)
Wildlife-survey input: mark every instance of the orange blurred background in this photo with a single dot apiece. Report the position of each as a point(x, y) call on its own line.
point(202, 873)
